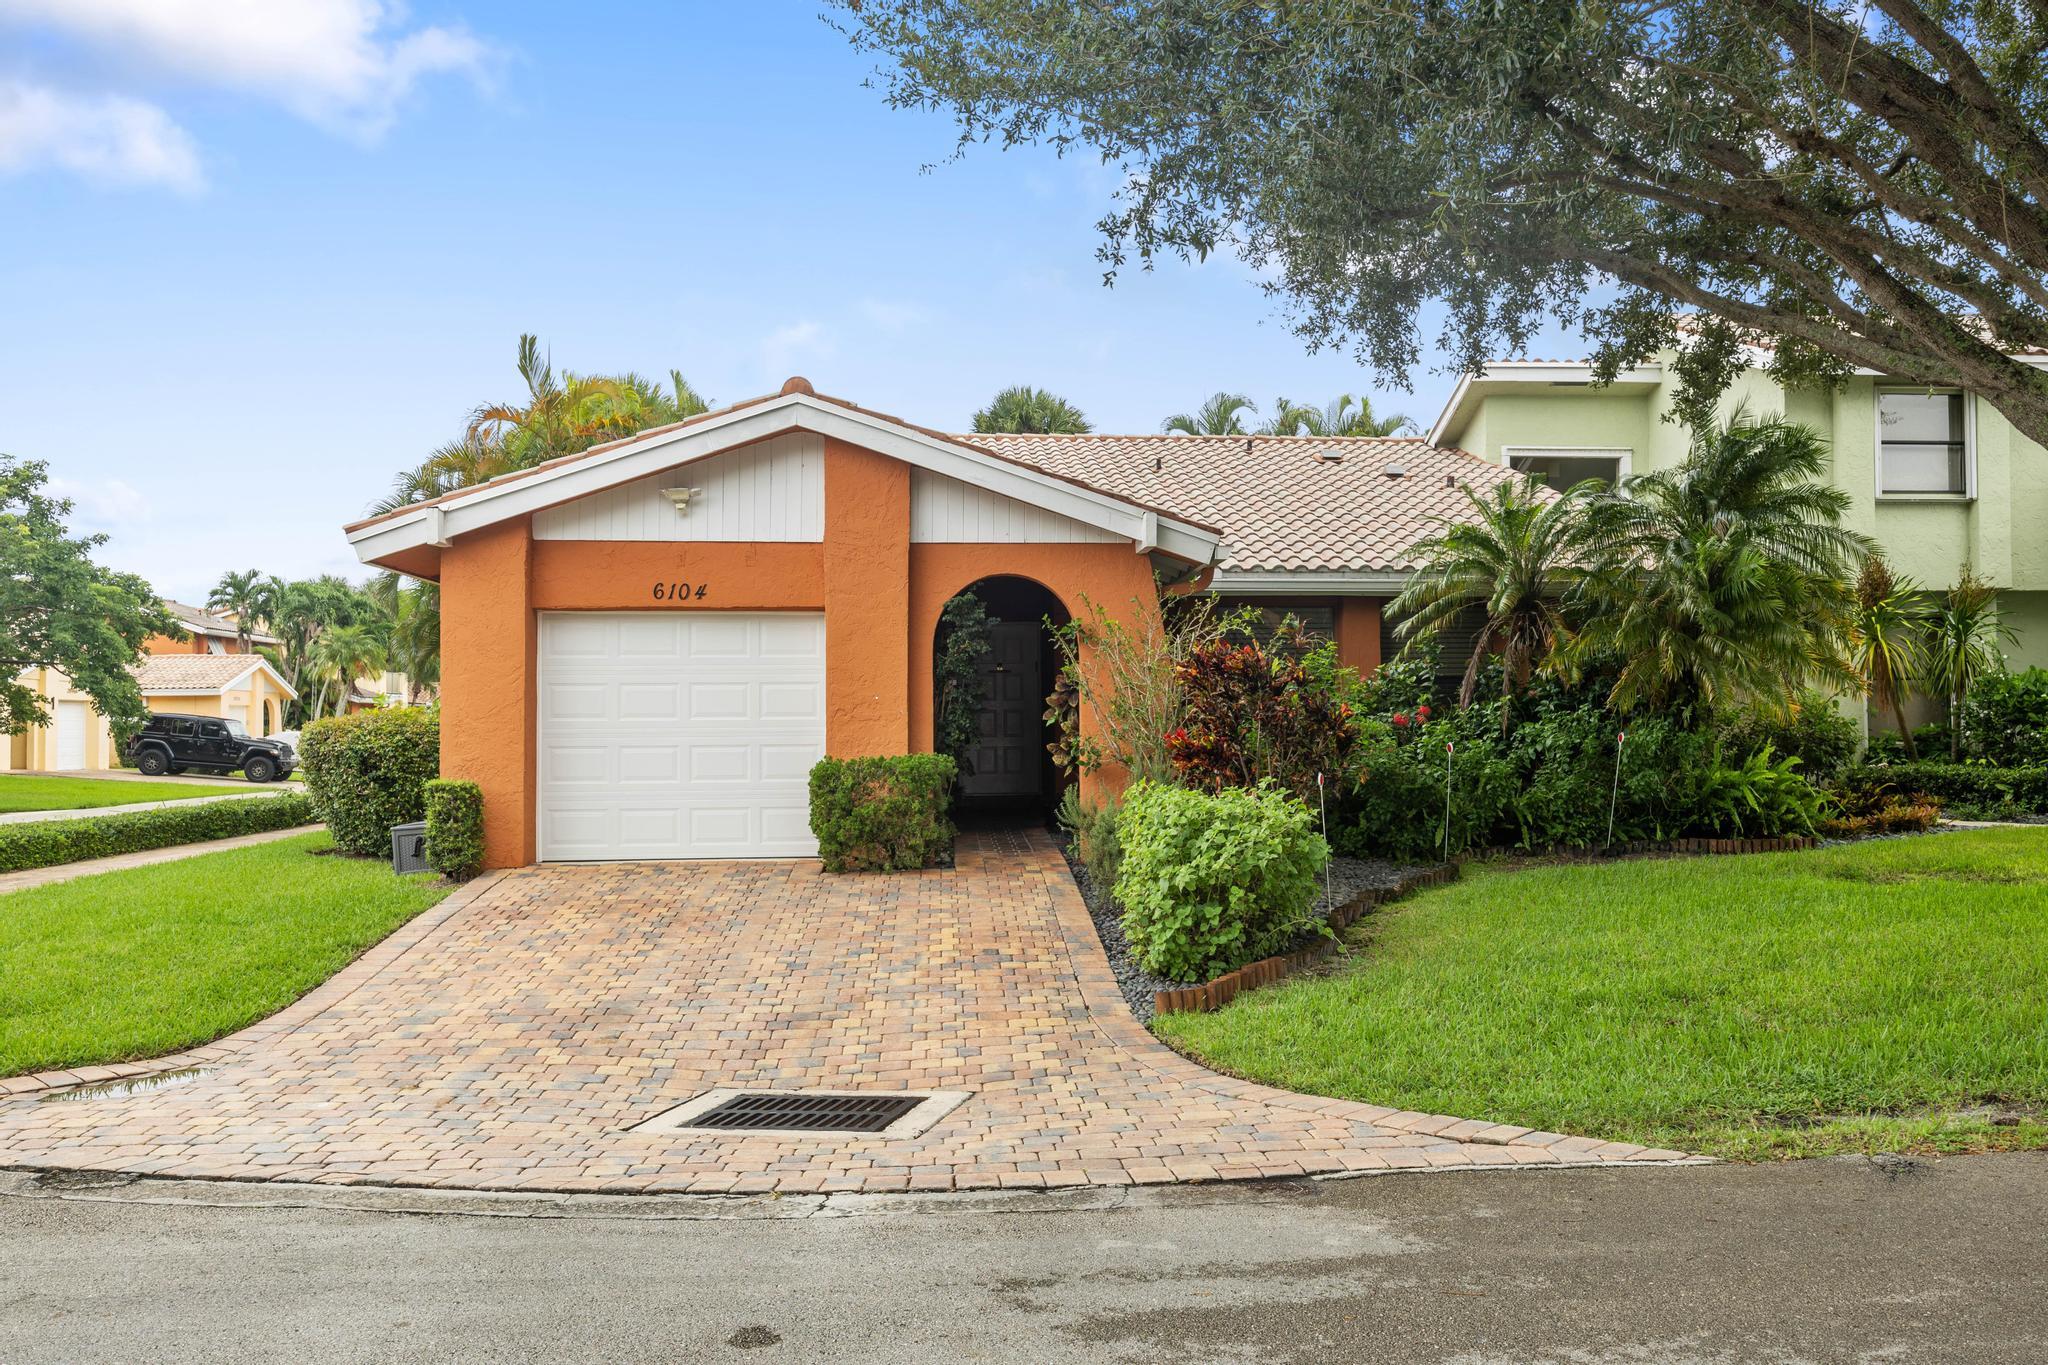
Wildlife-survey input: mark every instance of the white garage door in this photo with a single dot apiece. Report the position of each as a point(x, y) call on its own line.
point(71, 724)
point(679, 734)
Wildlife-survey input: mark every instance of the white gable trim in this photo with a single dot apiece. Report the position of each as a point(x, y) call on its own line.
point(489, 504)
point(259, 665)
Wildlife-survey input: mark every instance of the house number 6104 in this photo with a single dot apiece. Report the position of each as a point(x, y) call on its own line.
point(679, 592)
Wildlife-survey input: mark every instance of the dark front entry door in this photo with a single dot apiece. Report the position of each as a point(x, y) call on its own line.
point(1009, 753)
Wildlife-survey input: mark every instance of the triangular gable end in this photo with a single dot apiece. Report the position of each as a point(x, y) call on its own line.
point(409, 540)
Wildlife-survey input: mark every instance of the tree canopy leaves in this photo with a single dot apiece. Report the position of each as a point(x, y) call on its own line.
point(1821, 184)
point(58, 609)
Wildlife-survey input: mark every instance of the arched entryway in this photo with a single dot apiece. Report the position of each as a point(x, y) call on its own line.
point(1007, 771)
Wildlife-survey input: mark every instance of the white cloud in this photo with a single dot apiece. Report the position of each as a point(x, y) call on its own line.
point(109, 139)
point(342, 64)
point(786, 347)
point(105, 505)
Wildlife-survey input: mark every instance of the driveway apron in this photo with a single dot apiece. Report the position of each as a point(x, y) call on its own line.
point(512, 1038)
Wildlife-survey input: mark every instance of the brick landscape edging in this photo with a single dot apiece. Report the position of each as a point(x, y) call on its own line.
point(1216, 993)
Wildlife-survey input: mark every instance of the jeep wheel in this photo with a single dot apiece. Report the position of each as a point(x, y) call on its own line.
point(152, 763)
point(260, 770)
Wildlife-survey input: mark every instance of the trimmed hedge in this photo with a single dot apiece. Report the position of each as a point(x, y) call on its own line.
point(1956, 784)
point(369, 771)
point(47, 843)
point(883, 814)
point(455, 828)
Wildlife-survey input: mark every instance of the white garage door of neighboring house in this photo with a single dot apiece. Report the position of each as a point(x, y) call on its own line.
point(71, 727)
point(679, 734)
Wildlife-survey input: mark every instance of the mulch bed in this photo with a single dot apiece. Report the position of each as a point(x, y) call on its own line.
point(1348, 877)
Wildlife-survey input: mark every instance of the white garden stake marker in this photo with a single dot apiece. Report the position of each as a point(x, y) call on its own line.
point(1620, 739)
point(1323, 802)
point(1447, 800)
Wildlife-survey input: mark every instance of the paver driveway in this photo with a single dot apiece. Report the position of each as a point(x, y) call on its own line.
point(510, 1037)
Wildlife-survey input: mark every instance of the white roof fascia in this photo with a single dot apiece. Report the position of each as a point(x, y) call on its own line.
point(1310, 583)
point(439, 524)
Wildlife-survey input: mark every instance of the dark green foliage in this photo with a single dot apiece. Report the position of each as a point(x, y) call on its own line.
point(369, 771)
point(1820, 737)
point(1211, 882)
point(1091, 835)
point(58, 609)
point(1978, 788)
point(1550, 783)
point(1724, 582)
point(455, 828)
point(1023, 408)
point(46, 843)
point(1397, 808)
point(883, 814)
point(1844, 184)
point(2005, 719)
point(1763, 796)
point(963, 644)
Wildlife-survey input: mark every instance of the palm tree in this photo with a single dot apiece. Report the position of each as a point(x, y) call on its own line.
point(410, 625)
point(1022, 408)
point(1884, 643)
point(560, 415)
point(1344, 415)
point(1512, 558)
point(1219, 416)
point(1964, 635)
point(342, 654)
point(1724, 576)
point(239, 594)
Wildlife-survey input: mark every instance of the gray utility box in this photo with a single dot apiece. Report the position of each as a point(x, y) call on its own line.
point(409, 847)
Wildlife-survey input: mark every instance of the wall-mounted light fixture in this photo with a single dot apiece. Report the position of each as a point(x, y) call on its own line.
point(680, 497)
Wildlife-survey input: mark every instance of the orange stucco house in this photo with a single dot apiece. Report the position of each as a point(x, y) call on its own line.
point(645, 646)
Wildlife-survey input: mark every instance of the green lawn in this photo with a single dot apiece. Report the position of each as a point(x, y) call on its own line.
point(1861, 998)
point(24, 792)
point(134, 964)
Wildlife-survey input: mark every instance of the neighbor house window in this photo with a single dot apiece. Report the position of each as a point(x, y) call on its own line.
point(1561, 467)
point(1923, 442)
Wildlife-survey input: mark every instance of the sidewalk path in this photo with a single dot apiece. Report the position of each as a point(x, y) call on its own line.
point(64, 872)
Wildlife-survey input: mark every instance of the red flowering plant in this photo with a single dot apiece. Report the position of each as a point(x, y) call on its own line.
point(1248, 715)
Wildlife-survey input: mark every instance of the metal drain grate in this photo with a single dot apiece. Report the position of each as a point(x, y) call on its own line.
point(808, 1113)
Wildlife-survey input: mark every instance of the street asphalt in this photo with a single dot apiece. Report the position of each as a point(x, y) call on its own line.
point(1847, 1260)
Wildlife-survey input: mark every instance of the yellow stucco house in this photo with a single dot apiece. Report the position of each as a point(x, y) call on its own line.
point(205, 674)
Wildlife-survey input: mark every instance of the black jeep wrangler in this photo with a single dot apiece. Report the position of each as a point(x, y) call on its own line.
point(209, 744)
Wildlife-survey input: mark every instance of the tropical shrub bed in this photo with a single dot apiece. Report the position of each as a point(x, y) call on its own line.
point(369, 771)
point(1965, 787)
point(883, 814)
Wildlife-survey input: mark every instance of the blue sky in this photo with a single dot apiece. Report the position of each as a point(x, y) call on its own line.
point(255, 257)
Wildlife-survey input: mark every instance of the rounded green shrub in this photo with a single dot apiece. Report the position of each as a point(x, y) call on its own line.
point(455, 828)
point(1211, 882)
point(883, 814)
point(369, 771)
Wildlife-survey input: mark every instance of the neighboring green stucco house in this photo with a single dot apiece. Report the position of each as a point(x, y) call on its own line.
point(1951, 482)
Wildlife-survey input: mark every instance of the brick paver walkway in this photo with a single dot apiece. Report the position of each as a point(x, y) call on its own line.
point(509, 1038)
